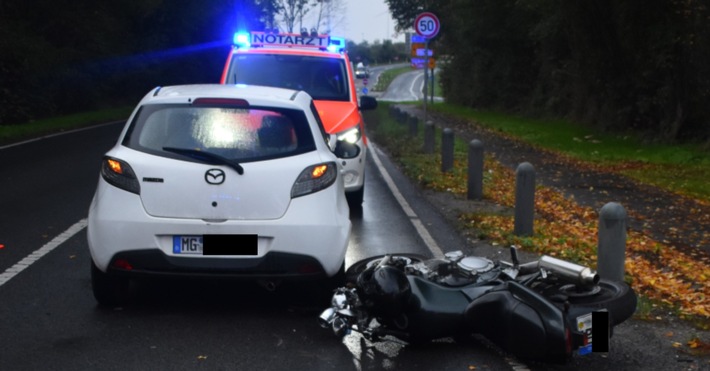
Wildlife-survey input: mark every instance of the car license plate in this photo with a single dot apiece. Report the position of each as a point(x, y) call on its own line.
point(217, 244)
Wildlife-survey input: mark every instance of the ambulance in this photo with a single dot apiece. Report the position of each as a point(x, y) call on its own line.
point(319, 65)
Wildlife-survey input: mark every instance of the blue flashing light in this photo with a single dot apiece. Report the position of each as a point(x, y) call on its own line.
point(336, 44)
point(241, 39)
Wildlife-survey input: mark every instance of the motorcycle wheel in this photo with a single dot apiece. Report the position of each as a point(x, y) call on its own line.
point(358, 267)
point(616, 297)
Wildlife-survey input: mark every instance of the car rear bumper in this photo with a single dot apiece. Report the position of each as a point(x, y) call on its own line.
point(155, 263)
point(311, 240)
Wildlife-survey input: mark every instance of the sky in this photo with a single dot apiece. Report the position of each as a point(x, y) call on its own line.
point(367, 20)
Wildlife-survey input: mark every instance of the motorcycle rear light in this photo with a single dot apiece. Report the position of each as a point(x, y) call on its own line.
point(314, 178)
point(122, 264)
point(119, 174)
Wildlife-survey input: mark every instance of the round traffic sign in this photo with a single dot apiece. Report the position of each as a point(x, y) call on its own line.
point(427, 25)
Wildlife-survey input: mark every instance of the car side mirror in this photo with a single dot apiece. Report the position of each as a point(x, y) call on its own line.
point(332, 142)
point(367, 102)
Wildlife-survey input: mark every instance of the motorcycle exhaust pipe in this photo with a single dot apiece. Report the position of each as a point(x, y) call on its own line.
point(326, 318)
point(573, 272)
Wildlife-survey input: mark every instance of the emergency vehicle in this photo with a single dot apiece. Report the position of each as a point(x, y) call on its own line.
point(318, 65)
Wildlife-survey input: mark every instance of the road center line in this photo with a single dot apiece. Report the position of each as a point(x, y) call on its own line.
point(42, 251)
point(418, 225)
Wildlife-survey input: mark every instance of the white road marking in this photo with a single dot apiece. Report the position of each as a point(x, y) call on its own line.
point(60, 133)
point(418, 225)
point(42, 251)
point(414, 81)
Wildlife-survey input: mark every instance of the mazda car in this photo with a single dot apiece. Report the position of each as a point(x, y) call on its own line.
point(219, 181)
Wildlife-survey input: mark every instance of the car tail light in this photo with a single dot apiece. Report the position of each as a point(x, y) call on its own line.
point(314, 178)
point(122, 264)
point(119, 174)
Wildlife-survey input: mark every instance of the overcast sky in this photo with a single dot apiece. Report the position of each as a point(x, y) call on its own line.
point(367, 20)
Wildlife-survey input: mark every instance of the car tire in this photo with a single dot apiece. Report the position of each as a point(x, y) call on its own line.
point(109, 291)
point(355, 198)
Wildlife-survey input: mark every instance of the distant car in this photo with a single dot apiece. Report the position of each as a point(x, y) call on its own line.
point(222, 181)
point(361, 71)
point(318, 65)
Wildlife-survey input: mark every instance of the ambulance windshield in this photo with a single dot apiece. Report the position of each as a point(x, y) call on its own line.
point(322, 78)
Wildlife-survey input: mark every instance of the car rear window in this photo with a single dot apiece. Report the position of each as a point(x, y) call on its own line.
point(322, 78)
point(240, 134)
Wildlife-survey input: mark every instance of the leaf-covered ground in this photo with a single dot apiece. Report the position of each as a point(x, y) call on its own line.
point(668, 234)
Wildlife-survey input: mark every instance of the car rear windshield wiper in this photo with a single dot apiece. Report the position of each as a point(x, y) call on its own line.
point(207, 157)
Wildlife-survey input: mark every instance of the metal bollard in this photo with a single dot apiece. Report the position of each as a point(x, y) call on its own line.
point(524, 199)
point(402, 116)
point(447, 150)
point(475, 170)
point(413, 125)
point(429, 134)
point(611, 248)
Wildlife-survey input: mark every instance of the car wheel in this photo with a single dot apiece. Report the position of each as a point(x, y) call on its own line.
point(355, 198)
point(108, 290)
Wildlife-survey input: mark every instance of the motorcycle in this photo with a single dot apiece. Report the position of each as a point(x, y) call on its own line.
point(543, 310)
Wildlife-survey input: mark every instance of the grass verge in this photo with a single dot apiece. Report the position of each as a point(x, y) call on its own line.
point(19, 132)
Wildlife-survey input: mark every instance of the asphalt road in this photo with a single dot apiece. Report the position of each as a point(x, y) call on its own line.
point(49, 319)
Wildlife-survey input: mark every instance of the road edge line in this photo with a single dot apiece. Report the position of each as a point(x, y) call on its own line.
point(42, 251)
point(413, 217)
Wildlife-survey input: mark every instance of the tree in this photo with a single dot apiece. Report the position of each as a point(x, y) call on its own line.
point(331, 13)
point(292, 11)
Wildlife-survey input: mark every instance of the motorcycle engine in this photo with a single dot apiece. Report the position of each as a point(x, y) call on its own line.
point(454, 270)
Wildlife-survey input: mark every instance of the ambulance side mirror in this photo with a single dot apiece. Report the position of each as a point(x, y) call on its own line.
point(332, 142)
point(367, 102)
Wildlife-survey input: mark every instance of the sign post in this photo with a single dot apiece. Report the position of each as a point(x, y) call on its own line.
point(427, 26)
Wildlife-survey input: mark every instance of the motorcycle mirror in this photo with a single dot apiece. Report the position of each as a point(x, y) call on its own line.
point(514, 256)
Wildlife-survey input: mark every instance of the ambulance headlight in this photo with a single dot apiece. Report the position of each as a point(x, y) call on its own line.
point(241, 39)
point(350, 136)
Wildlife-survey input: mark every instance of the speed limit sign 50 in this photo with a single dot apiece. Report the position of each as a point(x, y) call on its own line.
point(427, 25)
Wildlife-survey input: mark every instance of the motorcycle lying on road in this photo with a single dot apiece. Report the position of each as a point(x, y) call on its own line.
point(541, 310)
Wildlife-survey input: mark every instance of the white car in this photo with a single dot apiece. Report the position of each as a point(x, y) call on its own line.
point(219, 180)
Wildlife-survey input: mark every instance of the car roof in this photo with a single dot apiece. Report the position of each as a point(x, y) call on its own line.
point(254, 95)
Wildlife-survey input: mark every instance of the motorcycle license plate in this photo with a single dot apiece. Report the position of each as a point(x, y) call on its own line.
point(216, 244)
point(600, 331)
point(584, 325)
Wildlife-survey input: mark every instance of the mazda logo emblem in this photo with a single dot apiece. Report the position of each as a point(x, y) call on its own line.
point(214, 176)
